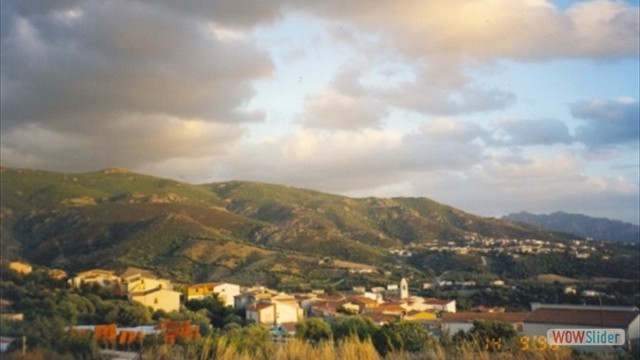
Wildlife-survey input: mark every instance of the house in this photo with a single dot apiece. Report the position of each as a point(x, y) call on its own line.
point(388, 309)
point(551, 316)
point(104, 278)
point(454, 322)
point(140, 280)
point(326, 308)
point(469, 283)
point(262, 313)
point(57, 274)
point(226, 292)
point(20, 267)
point(158, 299)
point(570, 290)
point(364, 302)
point(590, 293)
point(440, 305)
point(253, 295)
point(274, 313)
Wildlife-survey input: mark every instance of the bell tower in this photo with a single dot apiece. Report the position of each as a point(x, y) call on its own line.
point(404, 289)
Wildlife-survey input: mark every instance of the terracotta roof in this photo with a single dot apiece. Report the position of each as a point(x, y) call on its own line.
point(470, 317)
point(379, 317)
point(593, 317)
point(434, 301)
point(485, 309)
point(388, 308)
point(328, 304)
point(364, 300)
point(415, 312)
point(289, 326)
point(131, 271)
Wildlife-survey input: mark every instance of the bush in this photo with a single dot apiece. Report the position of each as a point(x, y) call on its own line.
point(314, 330)
point(402, 336)
point(347, 326)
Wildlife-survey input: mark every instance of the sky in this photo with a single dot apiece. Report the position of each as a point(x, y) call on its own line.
point(490, 106)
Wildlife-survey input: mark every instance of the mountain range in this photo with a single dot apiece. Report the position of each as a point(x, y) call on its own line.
point(241, 231)
point(596, 228)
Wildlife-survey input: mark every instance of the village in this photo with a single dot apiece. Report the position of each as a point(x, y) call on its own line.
point(280, 312)
point(476, 244)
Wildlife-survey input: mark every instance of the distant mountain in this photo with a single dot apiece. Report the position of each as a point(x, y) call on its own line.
point(581, 225)
point(239, 231)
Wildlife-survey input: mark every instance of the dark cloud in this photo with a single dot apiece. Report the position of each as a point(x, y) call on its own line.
point(111, 80)
point(607, 122)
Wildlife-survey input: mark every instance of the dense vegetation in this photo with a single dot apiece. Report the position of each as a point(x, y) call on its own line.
point(238, 231)
point(50, 308)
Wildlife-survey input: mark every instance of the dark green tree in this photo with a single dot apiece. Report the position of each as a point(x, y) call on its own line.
point(493, 335)
point(402, 336)
point(346, 326)
point(314, 330)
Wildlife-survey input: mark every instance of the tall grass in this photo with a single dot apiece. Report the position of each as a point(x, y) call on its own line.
point(351, 348)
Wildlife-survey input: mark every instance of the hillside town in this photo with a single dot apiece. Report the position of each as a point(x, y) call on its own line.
point(475, 244)
point(281, 312)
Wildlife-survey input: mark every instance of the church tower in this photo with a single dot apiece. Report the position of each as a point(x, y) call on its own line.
point(404, 289)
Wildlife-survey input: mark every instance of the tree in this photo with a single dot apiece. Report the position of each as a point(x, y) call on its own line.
point(253, 340)
point(493, 335)
point(219, 314)
point(346, 326)
point(402, 336)
point(314, 330)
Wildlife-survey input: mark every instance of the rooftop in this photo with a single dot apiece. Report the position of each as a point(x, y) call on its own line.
point(471, 316)
point(589, 317)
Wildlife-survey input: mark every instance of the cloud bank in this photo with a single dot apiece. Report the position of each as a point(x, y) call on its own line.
point(407, 106)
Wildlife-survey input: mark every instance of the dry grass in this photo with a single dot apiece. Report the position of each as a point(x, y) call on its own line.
point(354, 349)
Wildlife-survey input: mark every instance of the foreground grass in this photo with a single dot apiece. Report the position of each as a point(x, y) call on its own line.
point(350, 349)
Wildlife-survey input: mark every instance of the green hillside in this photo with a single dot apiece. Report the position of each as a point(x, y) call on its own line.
point(242, 231)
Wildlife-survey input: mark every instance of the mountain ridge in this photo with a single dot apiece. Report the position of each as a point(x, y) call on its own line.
point(603, 229)
point(236, 230)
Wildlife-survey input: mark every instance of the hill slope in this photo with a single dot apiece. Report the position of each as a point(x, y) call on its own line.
point(242, 231)
point(581, 225)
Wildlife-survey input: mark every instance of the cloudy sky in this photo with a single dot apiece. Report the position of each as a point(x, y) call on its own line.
point(492, 106)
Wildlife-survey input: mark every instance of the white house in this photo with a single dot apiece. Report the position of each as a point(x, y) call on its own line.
point(440, 305)
point(225, 291)
point(144, 282)
point(104, 278)
point(274, 313)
